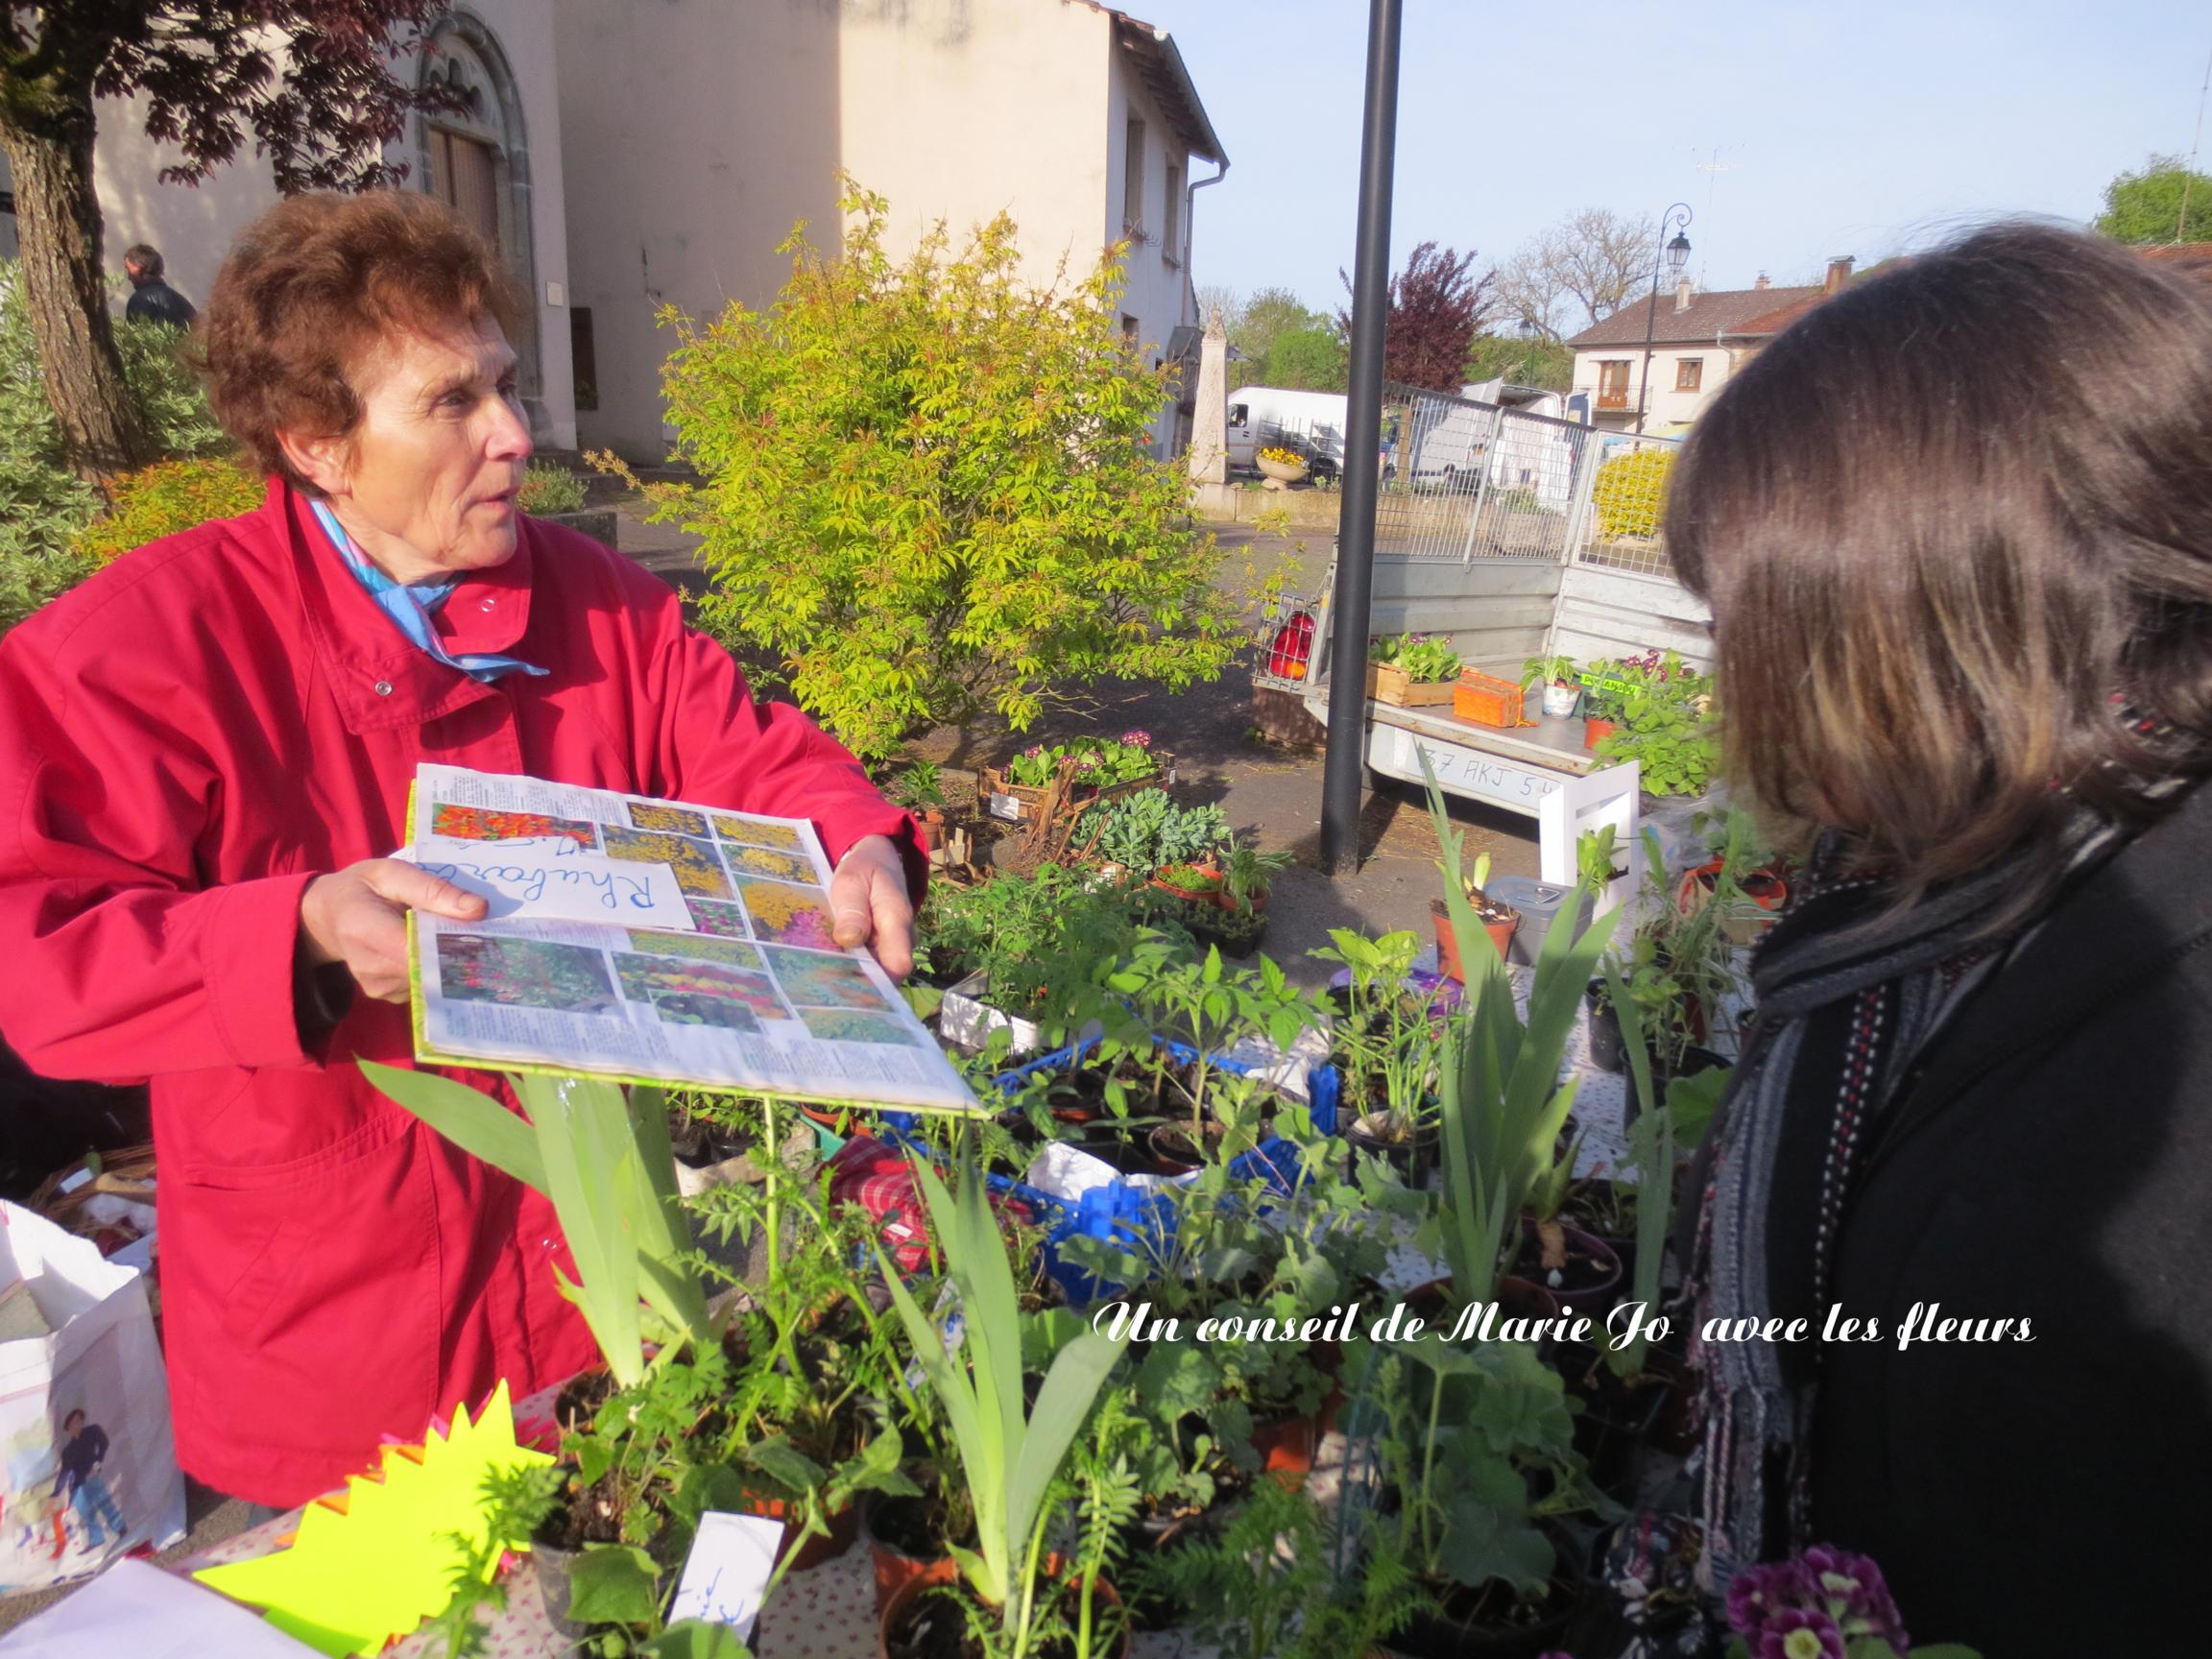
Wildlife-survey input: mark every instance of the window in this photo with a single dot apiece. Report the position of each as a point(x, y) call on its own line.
point(1613, 384)
point(1172, 216)
point(1129, 331)
point(1689, 373)
point(1132, 178)
point(586, 356)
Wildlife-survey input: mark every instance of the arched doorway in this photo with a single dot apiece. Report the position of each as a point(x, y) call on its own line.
point(477, 161)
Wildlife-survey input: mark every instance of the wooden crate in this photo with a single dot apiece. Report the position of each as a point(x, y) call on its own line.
point(1386, 683)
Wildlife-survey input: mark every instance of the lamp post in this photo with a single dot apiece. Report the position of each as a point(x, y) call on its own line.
point(1674, 256)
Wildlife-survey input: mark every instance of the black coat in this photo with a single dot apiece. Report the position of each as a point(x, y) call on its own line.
point(2050, 1158)
point(156, 301)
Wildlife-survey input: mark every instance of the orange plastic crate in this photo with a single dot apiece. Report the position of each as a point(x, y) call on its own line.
point(1485, 700)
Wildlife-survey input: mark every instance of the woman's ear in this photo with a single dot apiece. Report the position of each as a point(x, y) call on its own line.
point(326, 462)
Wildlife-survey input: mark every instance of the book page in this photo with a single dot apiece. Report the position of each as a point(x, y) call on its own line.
point(738, 983)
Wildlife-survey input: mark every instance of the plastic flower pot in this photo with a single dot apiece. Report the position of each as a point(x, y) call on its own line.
point(1559, 700)
point(1596, 730)
point(897, 1637)
point(1606, 1051)
point(1589, 1279)
point(1172, 1152)
point(1491, 1623)
point(1448, 960)
point(1413, 1155)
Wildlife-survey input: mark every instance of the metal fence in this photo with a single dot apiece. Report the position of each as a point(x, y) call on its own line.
point(1464, 479)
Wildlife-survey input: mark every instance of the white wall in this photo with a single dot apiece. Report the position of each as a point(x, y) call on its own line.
point(194, 225)
point(1667, 409)
point(1157, 292)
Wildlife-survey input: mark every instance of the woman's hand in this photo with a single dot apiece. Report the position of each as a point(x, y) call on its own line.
point(868, 896)
point(359, 917)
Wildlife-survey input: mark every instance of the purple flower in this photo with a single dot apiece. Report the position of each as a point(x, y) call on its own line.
point(1854, 1592)
point(1757, 1594)
point(1034, 749)
point(1795, 1633)
point(1136, 737)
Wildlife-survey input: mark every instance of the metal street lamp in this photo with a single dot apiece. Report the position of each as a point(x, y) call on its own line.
point(1674, 255)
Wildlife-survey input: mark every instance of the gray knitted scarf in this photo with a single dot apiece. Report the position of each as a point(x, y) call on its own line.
point(1844, 1010)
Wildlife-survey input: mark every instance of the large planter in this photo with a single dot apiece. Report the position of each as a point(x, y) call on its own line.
point(1282, 471)
point(1448, 960)
point(1210, 896)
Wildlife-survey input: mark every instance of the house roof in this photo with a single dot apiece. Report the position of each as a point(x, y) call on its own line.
point(1158, 65)
point(1722, 311)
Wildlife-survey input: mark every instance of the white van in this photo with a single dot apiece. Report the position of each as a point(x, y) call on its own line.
point(1274, 417)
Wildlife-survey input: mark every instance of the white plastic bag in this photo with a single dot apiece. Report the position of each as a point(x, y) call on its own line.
point(88, 1463)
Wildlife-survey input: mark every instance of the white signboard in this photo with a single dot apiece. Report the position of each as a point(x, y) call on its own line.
point(1580, 806)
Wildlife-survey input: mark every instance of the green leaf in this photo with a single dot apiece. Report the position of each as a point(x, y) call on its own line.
point(593, 1457)
point(471, 1119)
point(785, 1464)
point(709, 1487)
point(696, 1639)
point(612, 1584)
point(1482, 1542)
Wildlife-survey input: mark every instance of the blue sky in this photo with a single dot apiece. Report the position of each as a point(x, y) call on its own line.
point(1863, 129)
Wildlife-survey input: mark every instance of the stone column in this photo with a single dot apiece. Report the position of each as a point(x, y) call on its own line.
point(1208, 452)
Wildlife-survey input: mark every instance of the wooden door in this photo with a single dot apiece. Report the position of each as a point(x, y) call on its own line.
point(462, 176)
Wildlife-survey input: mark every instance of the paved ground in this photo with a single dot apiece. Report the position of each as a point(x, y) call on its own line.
point(1275, 796)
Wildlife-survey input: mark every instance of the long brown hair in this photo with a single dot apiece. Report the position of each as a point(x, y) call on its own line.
point(1955, 528)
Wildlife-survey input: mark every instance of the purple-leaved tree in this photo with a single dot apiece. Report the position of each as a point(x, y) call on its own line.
point(1437, 306)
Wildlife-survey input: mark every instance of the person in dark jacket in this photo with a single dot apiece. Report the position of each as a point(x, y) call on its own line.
point(1955, 530)
point(81, 1480)
point(152, 299)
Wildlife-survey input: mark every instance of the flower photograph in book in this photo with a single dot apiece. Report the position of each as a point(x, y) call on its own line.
point(776, 866)
point(690, 1008)
point(649, 978)
point(699, 948)
point(674, 820)
point(483, 824)
point(851, 1026)
point(698, 867)
point(720, 918)
point(782, 836)
point(790, 915)
point(811, 978)
point(523, 974)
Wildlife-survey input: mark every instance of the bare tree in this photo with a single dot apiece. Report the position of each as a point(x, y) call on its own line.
point(1579, 271)
point(1219, 297)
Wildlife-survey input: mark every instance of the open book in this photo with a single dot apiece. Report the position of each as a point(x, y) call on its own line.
point(652, 941)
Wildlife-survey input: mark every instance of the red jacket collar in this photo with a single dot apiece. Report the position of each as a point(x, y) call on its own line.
point(379, 678)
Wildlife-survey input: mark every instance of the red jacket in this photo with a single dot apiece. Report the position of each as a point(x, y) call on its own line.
point(186, 741)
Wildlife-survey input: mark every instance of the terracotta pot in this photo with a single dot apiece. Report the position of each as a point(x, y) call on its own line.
point(1195, 896)
point(1287, 1448)
point(892, 1567)
point(1448, 960)
point(844, 1527)
point(1595, 730)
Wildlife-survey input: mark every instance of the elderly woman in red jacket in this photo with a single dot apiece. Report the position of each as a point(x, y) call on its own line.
point(205, 753)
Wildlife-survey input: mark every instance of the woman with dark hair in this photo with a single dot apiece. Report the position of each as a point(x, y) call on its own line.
point(205, 752)
point(1955, 530)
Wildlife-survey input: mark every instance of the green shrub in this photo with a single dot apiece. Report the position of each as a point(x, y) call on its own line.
point(1630, 494)
point(162, 499)
point(926, 487)
point(547, 488)
point(44, 505)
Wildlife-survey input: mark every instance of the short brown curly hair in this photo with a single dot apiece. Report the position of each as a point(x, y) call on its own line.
point(310, 287)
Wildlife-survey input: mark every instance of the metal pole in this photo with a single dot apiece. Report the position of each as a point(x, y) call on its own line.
point(1342, 773)
point(1651, 317)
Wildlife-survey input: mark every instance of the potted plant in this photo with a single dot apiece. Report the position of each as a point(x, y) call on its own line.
point(1415, 670)
point(1499, 921)
point(1246, 875)
point(1011, 1449)
point(1556, 675)
point(1661, 722)
point(1286, 466)
point(1198, 883)
point(919, 789)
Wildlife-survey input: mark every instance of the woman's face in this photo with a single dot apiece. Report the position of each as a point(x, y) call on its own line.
point(426, 483)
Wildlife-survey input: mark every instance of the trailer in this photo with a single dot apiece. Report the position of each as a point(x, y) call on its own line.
point(1504, 574)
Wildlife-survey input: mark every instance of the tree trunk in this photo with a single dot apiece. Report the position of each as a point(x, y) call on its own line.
point(58, 224)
